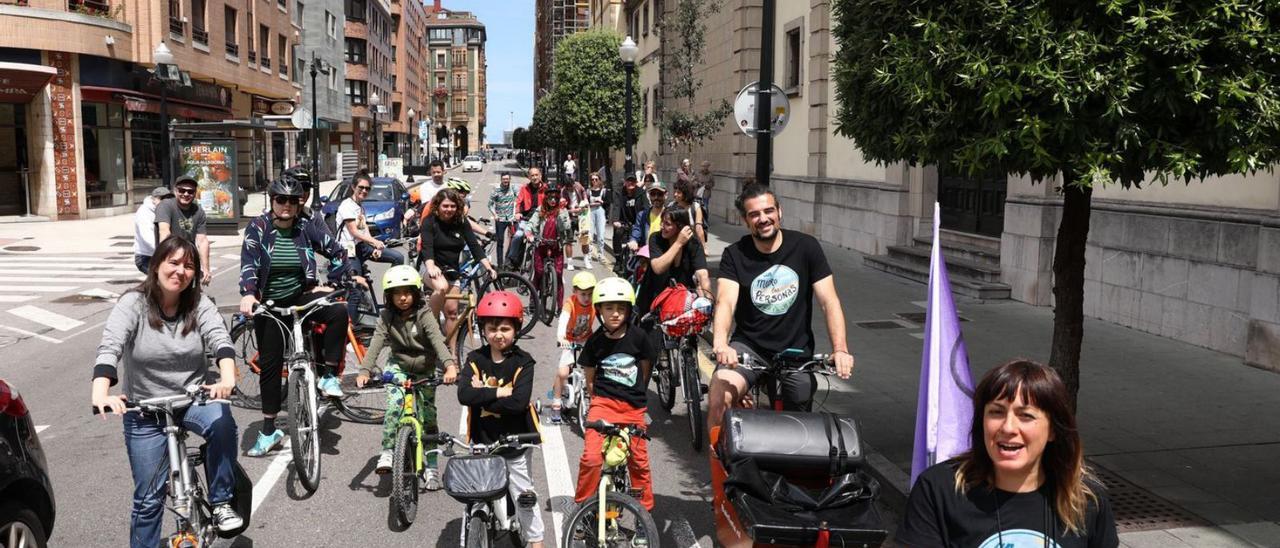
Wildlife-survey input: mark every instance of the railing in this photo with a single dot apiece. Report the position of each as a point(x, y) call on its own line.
point(265, 62)
point(199, 35)
point(233, 50)
point(253, 56)
point(283, 69)
point(94, 7)
point(176, 27)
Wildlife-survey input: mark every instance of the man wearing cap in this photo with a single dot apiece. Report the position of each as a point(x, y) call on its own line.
point(184, 218)
point(144, 230)
point(648, 221)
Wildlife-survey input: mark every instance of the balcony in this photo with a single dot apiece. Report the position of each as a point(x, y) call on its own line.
point(265, 62)
point(233, 50)
point(253, 56)
point(100, 8)
point(199, 35)
point(176, 27)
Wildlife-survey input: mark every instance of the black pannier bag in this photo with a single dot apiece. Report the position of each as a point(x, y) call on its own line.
point(479, 478)
point(795, 477)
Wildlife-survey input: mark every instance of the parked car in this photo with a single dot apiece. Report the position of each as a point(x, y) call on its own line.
point(26, 494)
point(472, 163)
point(383, 209)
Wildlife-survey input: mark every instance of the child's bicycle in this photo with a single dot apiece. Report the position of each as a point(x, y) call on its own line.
point(613, 517)
point(576, 399)
point(478, 479)
point(408, 458)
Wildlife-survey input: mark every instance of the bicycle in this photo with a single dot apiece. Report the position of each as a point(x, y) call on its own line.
point(680, 352)
point(472, 284)
point(479, 480)
point(549, 283)
point(575, 391)
point(408, 461)
point(788, 362)
point(613, 516)
point(187, 493)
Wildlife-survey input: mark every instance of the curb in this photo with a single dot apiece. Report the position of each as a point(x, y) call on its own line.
point(894, 483)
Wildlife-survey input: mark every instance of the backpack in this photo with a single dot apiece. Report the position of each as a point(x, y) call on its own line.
point(680, 311)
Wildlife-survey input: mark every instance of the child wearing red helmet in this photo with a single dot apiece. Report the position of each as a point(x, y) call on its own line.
point(496, 385)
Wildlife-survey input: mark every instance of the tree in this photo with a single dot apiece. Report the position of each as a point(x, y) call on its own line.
point(518, 138)
point(1097, 92)
point(548, 122)
point(687, 29)
point(584, 109)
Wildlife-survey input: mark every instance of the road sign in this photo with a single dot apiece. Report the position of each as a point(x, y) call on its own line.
point(301, 118)
point(744, 110)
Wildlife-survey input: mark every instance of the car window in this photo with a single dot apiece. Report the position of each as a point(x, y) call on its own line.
point(471, 159)
point(382, 192)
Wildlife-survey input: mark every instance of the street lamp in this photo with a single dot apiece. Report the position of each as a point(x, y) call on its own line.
point(166, 71)
point(318, 66)
point(375, 102)
point(628, 52)
point(412, 131)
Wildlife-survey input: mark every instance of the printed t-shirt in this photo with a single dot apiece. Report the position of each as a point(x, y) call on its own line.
point(775, 293)
point(617, 364)
point(581, 320)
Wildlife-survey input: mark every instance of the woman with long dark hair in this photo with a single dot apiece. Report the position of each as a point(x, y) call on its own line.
point(676, 254)
point(154, 341)
point(445, 232)
point(1023, 483)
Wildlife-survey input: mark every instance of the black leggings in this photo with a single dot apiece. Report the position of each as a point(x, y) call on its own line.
point(271, 342)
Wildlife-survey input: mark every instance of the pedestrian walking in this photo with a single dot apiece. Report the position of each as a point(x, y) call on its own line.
point(599, 199)
point(144, 228)
point(705, 183)
point(570, 169)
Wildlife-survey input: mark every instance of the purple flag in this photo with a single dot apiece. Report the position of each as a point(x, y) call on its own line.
point(945, 407)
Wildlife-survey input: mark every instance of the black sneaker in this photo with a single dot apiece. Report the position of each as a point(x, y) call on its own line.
point(226, 517)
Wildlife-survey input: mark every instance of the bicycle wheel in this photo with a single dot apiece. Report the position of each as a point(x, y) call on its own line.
point(632, 526)
point(468, 339)
point(248, 391)
point(477, 533)
point(665, 374)
point(304, 436)
point(523, 288)
point(550, 305)
point(404, 476)
point(584, 407)
point(364, 405)
point(692, 396)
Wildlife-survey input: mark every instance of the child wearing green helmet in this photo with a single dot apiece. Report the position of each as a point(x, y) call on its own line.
point(417, 346)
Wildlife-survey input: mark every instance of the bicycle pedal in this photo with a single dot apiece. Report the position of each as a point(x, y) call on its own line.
point(703, 388)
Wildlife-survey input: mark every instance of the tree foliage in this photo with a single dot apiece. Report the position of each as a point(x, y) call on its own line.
point(686, 33)
point(584, 110)
point(519, 138)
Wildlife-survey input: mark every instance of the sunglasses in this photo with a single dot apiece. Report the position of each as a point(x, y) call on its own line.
point(365, 188)
point(184, 191)
point(290, 200)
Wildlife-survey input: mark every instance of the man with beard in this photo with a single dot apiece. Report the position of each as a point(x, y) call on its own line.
point(183, 217)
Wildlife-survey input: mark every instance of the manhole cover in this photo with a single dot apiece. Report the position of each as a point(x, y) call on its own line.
point(920, 317)
point(22, 248)
point(1137, 509)
point(880, 324)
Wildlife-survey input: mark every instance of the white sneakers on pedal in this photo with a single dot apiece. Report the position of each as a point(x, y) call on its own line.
point(384, 462)
point(432, 480)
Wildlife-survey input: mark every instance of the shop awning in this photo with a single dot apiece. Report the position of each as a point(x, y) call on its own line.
point(20, 82)
point(138, 102)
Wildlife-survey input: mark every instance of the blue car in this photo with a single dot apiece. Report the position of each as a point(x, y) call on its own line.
point(383, 209)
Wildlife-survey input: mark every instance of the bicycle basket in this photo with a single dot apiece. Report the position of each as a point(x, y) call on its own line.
point(680, 311)
point(479, 478)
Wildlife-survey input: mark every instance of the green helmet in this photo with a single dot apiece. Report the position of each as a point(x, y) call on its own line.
point(401, 276)
point(459, 185)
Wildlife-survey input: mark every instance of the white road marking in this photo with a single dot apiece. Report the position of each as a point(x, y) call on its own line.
point(117, 272)
point(45, 317)
point(16, 298)
point(559, 483)
point(921, 304)
point(41, 428)
point(58, 260)
point(38, 288)
point(262, 487)
point(32, 334)
point(230, 256)
point(99, 293)
point(919, 335)
point(48, 279)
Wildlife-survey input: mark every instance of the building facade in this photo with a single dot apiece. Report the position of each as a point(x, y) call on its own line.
point(457, 83)
point(555, 19)
point(400, 131)
point(80, 114)
point(1198, 262)
point(323, 45)
point(367, 52)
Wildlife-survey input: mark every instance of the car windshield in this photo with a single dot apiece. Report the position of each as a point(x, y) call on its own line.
point(471, 159)
point(381, 192)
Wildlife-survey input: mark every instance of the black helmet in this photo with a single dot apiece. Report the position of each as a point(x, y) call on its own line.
point(300, 174)
point(286, 186)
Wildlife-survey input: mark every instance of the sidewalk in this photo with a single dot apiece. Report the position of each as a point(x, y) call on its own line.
point(1191, 426)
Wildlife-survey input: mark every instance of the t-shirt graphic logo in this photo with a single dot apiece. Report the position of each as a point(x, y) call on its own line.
point(620, 368)
point(1018, 538)
point(187, 224)
point(775, 290)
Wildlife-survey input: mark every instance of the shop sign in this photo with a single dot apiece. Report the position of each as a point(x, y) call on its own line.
point(263, 105)
point(212, 163)
point(62, 107)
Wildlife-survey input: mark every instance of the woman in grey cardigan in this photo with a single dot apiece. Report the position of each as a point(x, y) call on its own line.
point(155, 341)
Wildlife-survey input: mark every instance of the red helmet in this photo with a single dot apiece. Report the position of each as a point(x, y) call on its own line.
point(500, 304)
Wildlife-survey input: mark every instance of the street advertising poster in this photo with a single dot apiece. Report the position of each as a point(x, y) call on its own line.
point(212, 163)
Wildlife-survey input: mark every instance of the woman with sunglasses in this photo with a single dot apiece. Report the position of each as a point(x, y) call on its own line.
point(278, 264)
point(1023, 482)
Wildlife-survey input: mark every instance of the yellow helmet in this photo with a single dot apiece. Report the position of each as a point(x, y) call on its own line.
point(401, 276)
point(584, 280)
point(613, 290)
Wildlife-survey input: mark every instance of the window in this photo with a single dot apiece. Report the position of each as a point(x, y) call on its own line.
point(282, 47)
point(793, 70)
point(106, 183)
point(440, 62)
point(298, 65)
point(229, 29)
point(264, 45)
point(441, 34)
point(358, 91)
point(197, 14)
point(298, 8)
point(356, 10)
point(460, 58)
point(331, 25)
point(645, 9)
point(459, 105)
point(356, 51)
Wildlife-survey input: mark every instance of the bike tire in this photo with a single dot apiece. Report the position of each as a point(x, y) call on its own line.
point(468, 339)
point(551, 305)
point(478, 533)
point(584, 407)
point(693, 397)
point(363, 405)
point(304, 415)
point(666, 377)
point(580, 529)
point(248, 391)
point(524, 289)
point(404, 477)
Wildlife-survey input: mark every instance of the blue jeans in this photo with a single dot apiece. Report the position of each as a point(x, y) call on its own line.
point(149, 459)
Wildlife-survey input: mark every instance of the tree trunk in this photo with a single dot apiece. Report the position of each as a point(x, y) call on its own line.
point(1068, 283)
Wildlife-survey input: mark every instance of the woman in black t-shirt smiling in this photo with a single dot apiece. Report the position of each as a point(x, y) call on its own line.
point(444, 233)
point(1023, 483)
point(675, 254)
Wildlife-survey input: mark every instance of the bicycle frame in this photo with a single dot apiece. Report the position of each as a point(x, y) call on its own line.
point(608, 483)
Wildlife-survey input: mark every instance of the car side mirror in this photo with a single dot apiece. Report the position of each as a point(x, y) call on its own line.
point(324, 200)
point(404, 196)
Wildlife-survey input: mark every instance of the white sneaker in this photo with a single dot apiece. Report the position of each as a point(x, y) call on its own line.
point(568, 265)
point(586, 261)
point(384, 462)
point(226, 518)
point(432, 480)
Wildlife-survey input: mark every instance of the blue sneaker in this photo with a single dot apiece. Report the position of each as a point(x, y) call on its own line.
point(266, 444)
point(329, 386)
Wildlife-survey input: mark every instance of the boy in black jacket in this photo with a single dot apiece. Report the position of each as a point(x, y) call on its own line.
point(495, 384)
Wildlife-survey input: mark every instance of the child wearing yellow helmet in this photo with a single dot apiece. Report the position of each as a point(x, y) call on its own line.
point(417, 346)
point(616, 359)
point(577, 318)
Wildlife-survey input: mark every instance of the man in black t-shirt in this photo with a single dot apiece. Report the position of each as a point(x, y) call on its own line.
point(768, 282)
point(182, 216)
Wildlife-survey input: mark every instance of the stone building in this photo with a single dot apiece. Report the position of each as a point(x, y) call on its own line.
point(457, 83)
point(80, 120)
point(323, 41)
point(1198, 262)
point(369, 72)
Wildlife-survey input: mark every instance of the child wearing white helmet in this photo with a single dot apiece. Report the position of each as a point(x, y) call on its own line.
point(417, 346)
point(577, 318)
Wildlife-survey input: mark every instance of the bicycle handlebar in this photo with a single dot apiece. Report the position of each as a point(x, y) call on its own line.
point(609, 429)
point(327, 300)
point(195, 395)
point(388, 378)
point(513, 441)
point(790, 363)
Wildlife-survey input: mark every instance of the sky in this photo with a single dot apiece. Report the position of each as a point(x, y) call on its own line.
point(509, 52)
